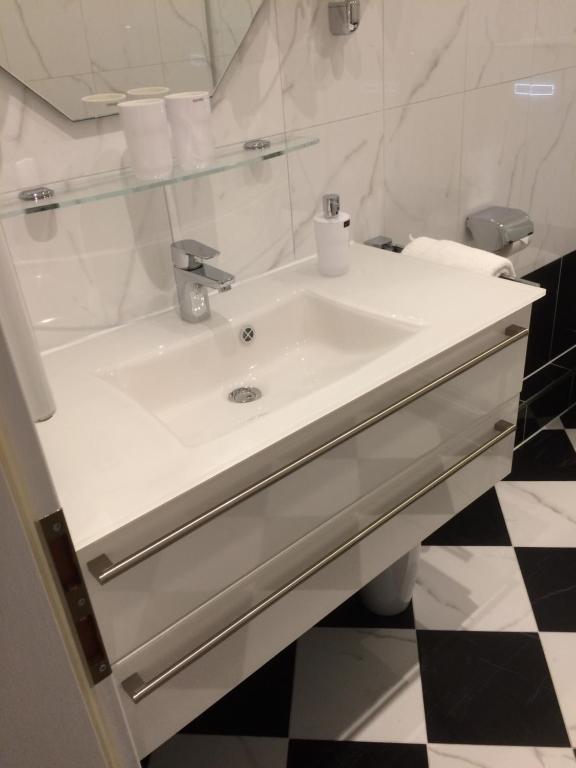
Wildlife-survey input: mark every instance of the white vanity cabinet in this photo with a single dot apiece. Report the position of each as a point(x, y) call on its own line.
point(203, 559)
point(145, 597)
point(442, 435)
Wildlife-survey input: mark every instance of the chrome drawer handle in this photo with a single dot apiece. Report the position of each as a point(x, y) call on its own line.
point(104, 570)
point(138, 689)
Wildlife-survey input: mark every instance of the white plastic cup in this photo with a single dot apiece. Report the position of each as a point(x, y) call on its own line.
point(147, 137)
point(191, 124)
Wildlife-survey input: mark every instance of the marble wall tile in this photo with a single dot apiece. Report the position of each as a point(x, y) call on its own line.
point(422, 152)
point(194, 75)
point(555, 38)
point(248, 101)
point(245, 214)
point(182, 29)
point(66, 92)
point(494, 149)
point(60, 149)
point(548, 192)
point(3, 54)
point(327, 77)
point(229, 20)
point(33, 31)
point(500, 41)
point(120, 80)
point(122, 33)
point(414, 168)
point(424, 49)
point(219, 66)
point(93, 267)
point(348, 160)
point(78, 281)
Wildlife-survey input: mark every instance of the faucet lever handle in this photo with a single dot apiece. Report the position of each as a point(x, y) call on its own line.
point(189, 254)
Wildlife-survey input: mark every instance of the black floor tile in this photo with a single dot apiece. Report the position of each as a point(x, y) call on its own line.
point(543, 312)
point(480, 524)
point(546, 394)
point(355, 754)
point(548, 455)
point(520, 423)
point(569, 419)
point(488, 688)
point(567, 360)
point(550, 578)
point(353, 614)
point(260, 706)
point(565, 323)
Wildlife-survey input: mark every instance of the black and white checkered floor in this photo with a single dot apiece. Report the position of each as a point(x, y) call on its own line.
point(479, 671)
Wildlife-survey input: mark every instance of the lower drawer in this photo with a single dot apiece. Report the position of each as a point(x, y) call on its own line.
point(179, 674)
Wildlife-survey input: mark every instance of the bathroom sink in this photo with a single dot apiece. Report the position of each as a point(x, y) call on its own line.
point(210, 383)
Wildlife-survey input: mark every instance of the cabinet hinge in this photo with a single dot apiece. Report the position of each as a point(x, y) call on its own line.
point(60, 550)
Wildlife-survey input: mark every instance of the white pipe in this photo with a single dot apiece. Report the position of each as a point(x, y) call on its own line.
point(17, 328)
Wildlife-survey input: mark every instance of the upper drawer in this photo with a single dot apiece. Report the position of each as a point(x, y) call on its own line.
point(158, 584)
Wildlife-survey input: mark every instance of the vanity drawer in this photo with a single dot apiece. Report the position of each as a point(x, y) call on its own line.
point(151, 595)
point(167, 683)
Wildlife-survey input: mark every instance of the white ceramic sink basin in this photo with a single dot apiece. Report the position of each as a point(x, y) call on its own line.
point(301, 344)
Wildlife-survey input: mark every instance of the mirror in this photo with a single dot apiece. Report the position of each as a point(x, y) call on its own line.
point(69, 50)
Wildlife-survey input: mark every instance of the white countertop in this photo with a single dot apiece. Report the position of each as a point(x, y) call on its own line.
point(112, 461)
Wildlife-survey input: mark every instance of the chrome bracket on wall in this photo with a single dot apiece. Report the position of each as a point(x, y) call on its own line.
point(344, 16)
point(66, 568)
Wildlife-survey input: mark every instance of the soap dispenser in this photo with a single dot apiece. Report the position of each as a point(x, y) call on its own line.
point(332, 228)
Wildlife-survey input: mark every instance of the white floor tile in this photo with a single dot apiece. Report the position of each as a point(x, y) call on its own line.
point(194, 751)
point(554, 424)
point(465, 756)
point(358, 685)
point(475, 588)
point(539, 514)
point(560, 650)
point(572, 436)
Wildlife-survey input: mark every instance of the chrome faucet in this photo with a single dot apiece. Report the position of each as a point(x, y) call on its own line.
point(194, 277)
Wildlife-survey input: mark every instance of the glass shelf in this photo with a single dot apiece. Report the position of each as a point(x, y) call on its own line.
point(100, 186)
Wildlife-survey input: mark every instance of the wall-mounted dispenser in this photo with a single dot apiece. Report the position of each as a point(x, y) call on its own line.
point(344, 16)
point(495, 228)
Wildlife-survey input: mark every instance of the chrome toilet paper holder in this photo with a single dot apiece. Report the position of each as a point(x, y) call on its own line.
point(496, 227)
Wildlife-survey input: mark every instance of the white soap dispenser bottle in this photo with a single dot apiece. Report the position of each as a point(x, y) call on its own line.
point(332, 228)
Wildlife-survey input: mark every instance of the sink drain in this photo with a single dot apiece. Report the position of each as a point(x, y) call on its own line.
point(247, 334)
point(244, 395)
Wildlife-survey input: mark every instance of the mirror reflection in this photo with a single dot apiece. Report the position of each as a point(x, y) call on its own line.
point(72, 51)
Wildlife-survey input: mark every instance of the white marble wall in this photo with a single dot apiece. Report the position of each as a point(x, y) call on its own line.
point(432, 109)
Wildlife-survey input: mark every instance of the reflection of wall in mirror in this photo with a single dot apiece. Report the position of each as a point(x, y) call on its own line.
point(67, 49)
point(228, 21)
